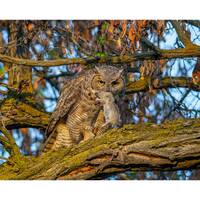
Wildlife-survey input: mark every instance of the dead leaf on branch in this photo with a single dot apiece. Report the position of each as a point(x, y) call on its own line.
point(124, 28)
point(131, 34)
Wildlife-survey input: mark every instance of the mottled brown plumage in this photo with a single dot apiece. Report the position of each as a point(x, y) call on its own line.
point(78, 107)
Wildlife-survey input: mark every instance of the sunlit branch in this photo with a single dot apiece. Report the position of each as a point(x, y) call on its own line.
point(171, 146)
point(163, 54)
point(9, 142)
point(166, 82)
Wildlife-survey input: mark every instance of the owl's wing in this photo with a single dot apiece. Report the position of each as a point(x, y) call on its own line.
point(70, 93)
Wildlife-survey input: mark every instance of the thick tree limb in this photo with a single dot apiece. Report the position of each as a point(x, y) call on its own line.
point(170, 146)
point(163, 54)
point(17, 114)
point(166, 82)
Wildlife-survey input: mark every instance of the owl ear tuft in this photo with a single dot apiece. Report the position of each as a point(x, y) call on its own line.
point(121, 72)
point(97, 68)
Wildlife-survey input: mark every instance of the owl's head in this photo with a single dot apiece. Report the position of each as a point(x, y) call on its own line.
point(108, 79)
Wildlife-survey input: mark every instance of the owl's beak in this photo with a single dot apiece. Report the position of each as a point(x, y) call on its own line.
point(109, 88)
point(98, 98)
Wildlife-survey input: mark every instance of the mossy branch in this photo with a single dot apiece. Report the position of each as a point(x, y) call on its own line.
point(9, 143)
point(142, 85)
point(194, 51)
point(171, 146)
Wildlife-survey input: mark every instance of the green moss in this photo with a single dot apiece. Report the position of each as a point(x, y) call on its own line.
point(147, 136)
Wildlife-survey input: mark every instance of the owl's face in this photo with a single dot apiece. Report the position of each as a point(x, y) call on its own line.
point(108, 79)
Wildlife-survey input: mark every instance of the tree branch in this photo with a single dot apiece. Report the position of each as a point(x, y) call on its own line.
point(171, 146)
point(166, 82)
point(150, 45)
point(9, 142)
point(17, 114)
point(163, 54)
point(181, 35)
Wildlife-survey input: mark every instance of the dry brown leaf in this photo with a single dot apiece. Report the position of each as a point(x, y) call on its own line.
point(86, 34)
point(124, 27)
point(24, 131)
point(39, 81)
point(49, 32)
point(45, 42)
point(36, 83)
point(160, 26)
point(162, 62)
point(119, 43)
point(63, 50)
point(116, 22)
point(131, 34)
point(111, 27)
point(30, 26)
point(96, 22)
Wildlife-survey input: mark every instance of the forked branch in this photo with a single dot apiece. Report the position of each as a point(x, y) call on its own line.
point(8, 142)
point(182, 35)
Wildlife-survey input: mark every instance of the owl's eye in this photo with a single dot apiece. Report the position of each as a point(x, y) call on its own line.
point(102, 82)
point(115, 83)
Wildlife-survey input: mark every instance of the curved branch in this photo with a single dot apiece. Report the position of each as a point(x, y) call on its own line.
point(17, 114)
point(10, 145)
point(181, 35)
point(163, 54)
point(166, 82)
point(170, 146)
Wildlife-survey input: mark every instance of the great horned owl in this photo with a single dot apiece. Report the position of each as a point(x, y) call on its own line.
point(78, 106)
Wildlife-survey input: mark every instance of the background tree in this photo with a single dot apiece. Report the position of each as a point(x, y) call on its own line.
point(158, 58)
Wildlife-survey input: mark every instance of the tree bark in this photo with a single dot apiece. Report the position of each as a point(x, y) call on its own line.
point(193, 51)
point(19, 76)
point(171, 146)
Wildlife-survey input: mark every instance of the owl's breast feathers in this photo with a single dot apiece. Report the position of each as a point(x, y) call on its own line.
point(76, 106)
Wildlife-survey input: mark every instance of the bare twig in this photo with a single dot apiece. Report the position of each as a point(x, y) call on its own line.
point(176, 106)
